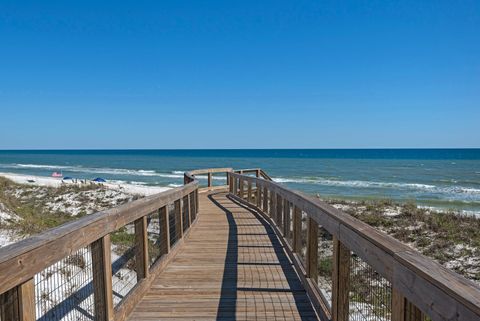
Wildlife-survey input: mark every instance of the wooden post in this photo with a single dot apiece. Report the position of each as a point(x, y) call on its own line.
point(312, 249)
point(164, 231)
point(279, 211)
point(297, 229)
point(141, 248)
point(102, 278)
point(241, 193)
point(178, 220)
point(249, 192)
point(18, 304)
point(186, 209)
point(257, 173)
point(258, 198)
point(209, 179)
point(9, 305)
point(191, 207)
point(286, 218)
point(341, 281)
point(197, 203)
point(230, 183)
point(412, 313)
point(398, 306)
point(26, 300)
point(265, 200)
point(272, 206)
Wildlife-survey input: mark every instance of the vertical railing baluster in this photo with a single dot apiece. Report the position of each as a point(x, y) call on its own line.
point(312, 249)
point(286, 218)
point(178, 220)
point(279, 211)
point(258, 198)
point(272, 206)
point(240, 182)
point(102, 279)
point(341, 281)
point(9, 305)
point(18, 304)
point(191, 207)
point(26, 300)
point(265, 199)
point(230, 183)
point(164, 230)
point(186, 209)
point(398, 306)
point(412, 313)
point(197, 203)
point(297, 229)
point(249, 192)
point(141, 248)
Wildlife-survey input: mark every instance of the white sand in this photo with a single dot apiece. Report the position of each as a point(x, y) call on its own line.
point(57, 182)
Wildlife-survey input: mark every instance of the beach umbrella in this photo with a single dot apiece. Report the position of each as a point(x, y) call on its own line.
point(99, 180)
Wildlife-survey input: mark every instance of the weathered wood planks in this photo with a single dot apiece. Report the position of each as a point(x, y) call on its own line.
point(232, 268)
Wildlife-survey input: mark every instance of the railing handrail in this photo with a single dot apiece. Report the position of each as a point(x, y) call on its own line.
point(409, 272)
point(21, 261)
point(209, 170)
point(189, 176)
point(50, 246)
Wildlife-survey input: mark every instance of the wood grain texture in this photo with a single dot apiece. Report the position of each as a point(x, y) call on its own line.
point(297, 229)
point(438, 292)
point(340, 280)
point(102, 278)
point(398, 306)
point(312, 249)
point(141, 248)
point(9, 309)
point(178, 219)
point(425, 287)
point(26, 300)
point(53, 245)
point(164, 230)
point(232, 267)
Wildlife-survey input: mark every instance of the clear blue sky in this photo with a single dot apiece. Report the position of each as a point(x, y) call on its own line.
point(182, 74)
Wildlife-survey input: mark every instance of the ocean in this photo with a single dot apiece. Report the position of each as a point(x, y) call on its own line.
point(439, 178)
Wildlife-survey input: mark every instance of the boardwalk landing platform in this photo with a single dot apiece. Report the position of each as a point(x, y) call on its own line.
point(231, 267)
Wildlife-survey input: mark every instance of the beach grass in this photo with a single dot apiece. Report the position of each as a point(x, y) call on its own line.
point(451, 238)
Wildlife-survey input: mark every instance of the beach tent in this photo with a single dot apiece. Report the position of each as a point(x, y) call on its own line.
point(99, 180)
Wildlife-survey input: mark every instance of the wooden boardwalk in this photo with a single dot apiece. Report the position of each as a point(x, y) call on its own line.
point(233, 263)
point(231, 267)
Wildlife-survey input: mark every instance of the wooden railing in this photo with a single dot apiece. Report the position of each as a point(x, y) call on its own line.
point(369, 270)
point(258, 172)
point(361, 257)
point(209, 172)
point(155, 225)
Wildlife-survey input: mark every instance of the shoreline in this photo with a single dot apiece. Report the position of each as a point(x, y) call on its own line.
point(46, 181)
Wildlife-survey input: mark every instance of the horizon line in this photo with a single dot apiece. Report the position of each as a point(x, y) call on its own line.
point(232, 149)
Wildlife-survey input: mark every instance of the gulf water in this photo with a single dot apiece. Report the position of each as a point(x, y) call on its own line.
point(442, 178)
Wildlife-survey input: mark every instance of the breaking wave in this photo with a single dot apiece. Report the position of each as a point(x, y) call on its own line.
point(372, 184)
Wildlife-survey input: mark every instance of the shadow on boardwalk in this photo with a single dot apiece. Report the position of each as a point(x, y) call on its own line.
point(230, 290)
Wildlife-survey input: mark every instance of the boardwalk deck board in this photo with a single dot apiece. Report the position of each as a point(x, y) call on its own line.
point(232, 267)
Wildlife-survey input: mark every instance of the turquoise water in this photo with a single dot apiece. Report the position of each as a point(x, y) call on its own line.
point(446, 178)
